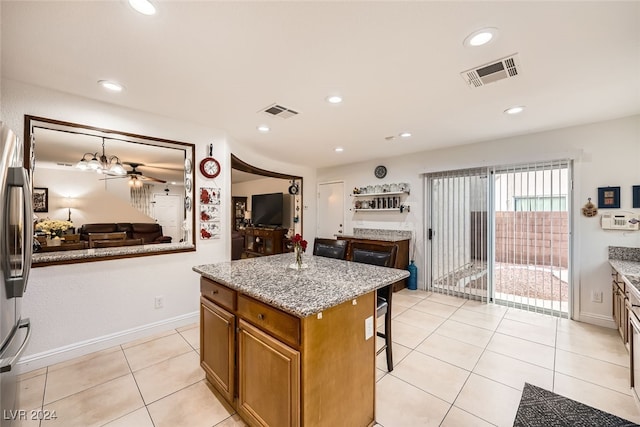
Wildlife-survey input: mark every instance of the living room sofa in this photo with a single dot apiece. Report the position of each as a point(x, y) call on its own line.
point(136, 233)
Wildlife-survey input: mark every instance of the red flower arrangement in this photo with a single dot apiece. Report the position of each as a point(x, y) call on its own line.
point(299, 242)
point(299, 246)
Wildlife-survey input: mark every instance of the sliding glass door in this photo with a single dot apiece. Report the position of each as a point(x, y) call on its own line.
point(458, 233)
point(502, 234)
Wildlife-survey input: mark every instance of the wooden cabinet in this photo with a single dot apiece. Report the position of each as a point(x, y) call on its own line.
point(217, 346)
point(620, 302)
point(289, 371)
point(263, 241)
point(402, 256)
point(269, 379)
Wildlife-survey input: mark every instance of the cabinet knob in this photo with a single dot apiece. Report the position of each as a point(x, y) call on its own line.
point(215, 291)
point(260, 316)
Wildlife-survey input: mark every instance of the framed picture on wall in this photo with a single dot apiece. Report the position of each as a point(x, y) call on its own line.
point(608, 197)
point(40, 199)
point(636, 196)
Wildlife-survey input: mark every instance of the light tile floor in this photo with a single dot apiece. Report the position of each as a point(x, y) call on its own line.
point(457, 363)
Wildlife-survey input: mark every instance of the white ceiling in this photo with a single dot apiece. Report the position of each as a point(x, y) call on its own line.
point(397, 65)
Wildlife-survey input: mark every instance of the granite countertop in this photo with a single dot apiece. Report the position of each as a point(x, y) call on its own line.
point(58, 256)
point(626, 261)
point(325, 283)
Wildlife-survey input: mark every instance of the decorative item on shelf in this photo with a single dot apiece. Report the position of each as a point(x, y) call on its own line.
point(589, 210)
point(299, 246)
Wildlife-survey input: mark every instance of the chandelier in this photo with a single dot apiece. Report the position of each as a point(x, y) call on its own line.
point(110, 165)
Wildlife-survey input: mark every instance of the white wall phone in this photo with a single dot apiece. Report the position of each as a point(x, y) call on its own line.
point(619, 222)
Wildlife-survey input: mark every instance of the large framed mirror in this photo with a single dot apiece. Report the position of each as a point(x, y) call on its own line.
point(104, 194)
point(251, 184)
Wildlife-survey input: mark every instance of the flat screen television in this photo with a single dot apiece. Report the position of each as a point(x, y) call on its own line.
point(266, 209)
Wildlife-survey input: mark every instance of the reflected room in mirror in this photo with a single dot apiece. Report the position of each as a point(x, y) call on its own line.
point(111, 194)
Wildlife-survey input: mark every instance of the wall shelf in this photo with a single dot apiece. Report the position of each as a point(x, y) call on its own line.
point(388, 193)
point(406, 209)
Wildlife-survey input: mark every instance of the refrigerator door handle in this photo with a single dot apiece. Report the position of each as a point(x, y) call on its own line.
point(7, 363)
point(19, 177)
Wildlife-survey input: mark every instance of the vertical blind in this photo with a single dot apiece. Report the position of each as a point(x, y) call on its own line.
point(502, 234)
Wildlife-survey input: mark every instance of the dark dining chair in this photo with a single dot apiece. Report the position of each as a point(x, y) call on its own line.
point(330, 248)
point(384, 256)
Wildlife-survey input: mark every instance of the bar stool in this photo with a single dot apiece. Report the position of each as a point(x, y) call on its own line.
point(330, 248)
point(384, 256)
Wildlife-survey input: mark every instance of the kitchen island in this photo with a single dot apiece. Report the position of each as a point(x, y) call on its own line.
point(289, 347)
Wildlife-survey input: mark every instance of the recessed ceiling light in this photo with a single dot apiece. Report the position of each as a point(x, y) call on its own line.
point(264, 128)
point(339, 149)
point(334, 99)
point(111, 85)
point(143, 6)
point(514, 110)
point(480, 37)
point(405, 134)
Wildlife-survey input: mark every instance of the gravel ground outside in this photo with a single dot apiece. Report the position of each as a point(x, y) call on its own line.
point(532, 281)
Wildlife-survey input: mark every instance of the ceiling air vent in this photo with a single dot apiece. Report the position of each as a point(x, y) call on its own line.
point(492, 72)
point(280, 111)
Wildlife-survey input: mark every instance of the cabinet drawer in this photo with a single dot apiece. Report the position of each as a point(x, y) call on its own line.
point(280, 324)
point(218, 293)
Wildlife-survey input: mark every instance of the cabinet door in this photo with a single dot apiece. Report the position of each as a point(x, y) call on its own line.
point(268, 379)
point(217, 346)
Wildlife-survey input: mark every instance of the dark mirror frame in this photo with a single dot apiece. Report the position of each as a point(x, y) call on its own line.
point(113, 253)
point(240, 165)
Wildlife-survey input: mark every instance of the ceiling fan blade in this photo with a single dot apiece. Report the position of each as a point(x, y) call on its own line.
point(150, 178)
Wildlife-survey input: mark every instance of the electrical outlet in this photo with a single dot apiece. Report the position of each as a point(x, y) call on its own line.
point(596, 296)
point(159, 301)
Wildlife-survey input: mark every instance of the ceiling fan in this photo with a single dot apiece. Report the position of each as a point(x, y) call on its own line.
point(136, 177)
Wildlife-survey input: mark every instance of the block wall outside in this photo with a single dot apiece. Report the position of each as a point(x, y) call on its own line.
point(540, 238)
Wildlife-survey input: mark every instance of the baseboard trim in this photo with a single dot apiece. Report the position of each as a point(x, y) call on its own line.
point(46, 358)
point(597, 319)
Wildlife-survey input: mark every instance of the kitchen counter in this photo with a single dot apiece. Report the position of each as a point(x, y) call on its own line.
point(288, 347)
point(62, 257)
point(325, 283)
point(626, 261)
point(630, 272)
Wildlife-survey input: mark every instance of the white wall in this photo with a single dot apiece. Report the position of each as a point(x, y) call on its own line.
point(79, 308)
point(92, 203)
point(606, 153)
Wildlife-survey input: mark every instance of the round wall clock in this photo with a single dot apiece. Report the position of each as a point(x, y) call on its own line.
point(209, 167)
point(380, 171)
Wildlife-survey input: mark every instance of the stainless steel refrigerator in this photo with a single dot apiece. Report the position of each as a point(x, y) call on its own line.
point(16, 244)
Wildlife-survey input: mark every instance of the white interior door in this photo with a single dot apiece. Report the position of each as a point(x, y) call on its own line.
point(330, 210)
point(167, 210)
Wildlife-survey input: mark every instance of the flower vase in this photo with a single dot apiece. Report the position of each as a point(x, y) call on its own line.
point(298, 265)
point(299, 256)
